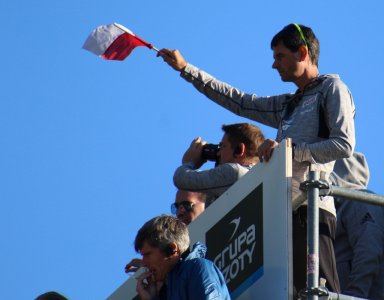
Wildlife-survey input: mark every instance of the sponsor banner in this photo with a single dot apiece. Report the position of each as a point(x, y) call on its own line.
point(235, 243)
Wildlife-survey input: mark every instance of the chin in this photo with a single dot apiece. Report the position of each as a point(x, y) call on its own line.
point(185, 220)
point(157, 277)
point(283, 77)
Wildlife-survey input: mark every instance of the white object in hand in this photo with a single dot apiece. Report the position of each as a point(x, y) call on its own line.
point(139, 272)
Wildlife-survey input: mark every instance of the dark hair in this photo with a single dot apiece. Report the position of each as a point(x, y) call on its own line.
point(51, 296)
point(248, 134)
point(291, 38)
point(161, 231)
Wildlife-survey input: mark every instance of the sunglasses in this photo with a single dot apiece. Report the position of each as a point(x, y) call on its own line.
point(188, 206)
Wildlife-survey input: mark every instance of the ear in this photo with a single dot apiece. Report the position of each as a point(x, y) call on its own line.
point(239, 150)
point(302, 53)
point(172, 249)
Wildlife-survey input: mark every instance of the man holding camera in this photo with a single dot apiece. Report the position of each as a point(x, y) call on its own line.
point(235, 156)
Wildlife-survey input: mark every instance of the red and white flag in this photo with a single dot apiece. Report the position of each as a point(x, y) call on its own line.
point(114, 42)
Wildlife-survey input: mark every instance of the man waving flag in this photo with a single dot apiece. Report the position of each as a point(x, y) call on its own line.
point(113, 42)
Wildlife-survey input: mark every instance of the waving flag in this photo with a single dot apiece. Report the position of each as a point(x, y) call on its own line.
point(113, 42)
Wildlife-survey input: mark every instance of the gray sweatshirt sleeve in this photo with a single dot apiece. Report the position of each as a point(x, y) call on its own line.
point(365, 226)
point(213, 182)
point(339, 114)
point(338, 109)
point(246, 105)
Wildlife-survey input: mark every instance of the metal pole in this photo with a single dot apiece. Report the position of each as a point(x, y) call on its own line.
point(335, 296)
point(349, 194)
point(313, 236)
point(315, 188)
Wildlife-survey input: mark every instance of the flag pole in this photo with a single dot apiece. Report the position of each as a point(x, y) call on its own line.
point(131, 33)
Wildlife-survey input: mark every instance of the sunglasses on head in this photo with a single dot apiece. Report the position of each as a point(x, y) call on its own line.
point(188, 206)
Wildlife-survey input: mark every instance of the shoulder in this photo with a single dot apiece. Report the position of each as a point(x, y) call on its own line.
point(198, 267)
point(233, 168)
point(329, 78)
point(332, 81)
point(361, 213)
point(204, 280)
point(192, 270)
point(197, 262)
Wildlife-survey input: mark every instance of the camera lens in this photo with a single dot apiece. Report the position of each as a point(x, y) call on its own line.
point(209, 152)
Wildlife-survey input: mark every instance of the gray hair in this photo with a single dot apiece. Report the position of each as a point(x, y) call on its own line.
point(161, 231)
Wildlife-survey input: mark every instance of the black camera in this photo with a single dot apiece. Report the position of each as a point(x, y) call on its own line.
point(209, 152)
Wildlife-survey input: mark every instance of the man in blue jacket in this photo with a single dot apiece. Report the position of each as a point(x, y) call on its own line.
point(175, 272)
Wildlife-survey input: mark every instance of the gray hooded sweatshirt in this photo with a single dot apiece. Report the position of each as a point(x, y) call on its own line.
point(319, 120)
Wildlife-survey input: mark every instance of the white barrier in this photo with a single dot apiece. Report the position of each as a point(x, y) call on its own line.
point(248, 233)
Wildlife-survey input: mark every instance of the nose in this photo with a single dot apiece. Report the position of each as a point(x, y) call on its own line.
point(218, 153)
point(180, 211)
point(218, 157)
point(274, 65)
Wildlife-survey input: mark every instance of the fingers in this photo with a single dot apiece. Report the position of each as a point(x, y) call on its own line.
point(164, 51)
point(197, 145)
point(165, 54)
point(146, 287)
point(173, 58)
point(197, 142)
point(193, 153)
point(133, 265)
point(145, 275)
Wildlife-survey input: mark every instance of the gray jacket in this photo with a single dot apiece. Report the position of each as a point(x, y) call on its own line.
point(359, 243)
point(319, 121)
point(212, 182)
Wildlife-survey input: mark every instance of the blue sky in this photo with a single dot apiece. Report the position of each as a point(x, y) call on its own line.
point(88, 147)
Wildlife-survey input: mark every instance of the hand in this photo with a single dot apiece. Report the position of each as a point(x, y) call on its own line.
point(146, 287)
point(265, 150)
point(173, 58)
point(193, 153)
point(133, 265)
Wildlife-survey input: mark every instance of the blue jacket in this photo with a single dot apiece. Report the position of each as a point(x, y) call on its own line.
point(196, 278)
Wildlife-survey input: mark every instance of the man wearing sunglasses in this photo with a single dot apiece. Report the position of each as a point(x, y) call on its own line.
point(189, 205)
point(236, 156)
